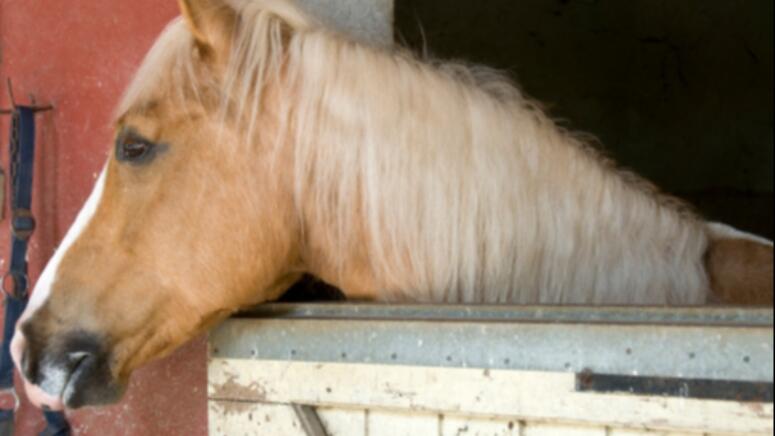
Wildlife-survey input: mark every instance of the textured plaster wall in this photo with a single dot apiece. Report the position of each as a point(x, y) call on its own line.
point(680, 91)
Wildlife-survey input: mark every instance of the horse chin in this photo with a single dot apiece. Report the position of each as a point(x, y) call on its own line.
point(40, 398)
point(72, 397)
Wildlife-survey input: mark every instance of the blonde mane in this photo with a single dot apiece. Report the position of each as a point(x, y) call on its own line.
point(454, 184)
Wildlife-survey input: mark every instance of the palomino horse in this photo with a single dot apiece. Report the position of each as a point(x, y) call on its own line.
point(254, 145)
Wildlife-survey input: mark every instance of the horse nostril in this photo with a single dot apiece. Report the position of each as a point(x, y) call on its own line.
point(75, 358)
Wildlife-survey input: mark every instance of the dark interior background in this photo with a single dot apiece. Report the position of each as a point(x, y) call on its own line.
point(679, 91)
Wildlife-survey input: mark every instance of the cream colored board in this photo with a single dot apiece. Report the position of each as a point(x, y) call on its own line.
point(629, 432)
point(389, 423)
point(738, 434)
point(230, 418)
point(632, 432)
point(531, 396)
point(466, 426)
point(343, 422)
point(532, 429)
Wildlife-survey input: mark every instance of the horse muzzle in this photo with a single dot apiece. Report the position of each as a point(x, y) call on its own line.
point(68, 370)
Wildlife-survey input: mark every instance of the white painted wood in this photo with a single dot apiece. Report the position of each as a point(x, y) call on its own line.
point(531, 429)
point(634, 432)
point(240, 418)
point(452, 425)
point(343, 422)
point(738, 434)
point(244, 418)
point(627, 432)
point(390, 423)
point(228, 418)
point(531, 396)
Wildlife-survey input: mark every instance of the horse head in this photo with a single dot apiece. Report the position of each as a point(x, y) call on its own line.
point(184, 225)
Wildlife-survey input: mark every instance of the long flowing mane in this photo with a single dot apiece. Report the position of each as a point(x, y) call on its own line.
point(454, 184)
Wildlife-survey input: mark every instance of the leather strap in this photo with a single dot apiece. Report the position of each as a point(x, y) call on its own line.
point(16, 281)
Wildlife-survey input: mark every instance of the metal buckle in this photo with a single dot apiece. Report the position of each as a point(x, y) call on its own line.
point(12, 392)
point(22, 224)
point(14, 292)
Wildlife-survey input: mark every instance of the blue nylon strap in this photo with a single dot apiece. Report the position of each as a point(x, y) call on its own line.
point(13, 309)
point(6, 422)
point(22, 158)
point(21, 175)
point(56, 424)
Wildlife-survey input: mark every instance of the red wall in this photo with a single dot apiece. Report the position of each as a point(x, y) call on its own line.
point(79, 56)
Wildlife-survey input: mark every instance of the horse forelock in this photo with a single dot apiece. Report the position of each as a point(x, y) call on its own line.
point(173, 66)
point(166, 66)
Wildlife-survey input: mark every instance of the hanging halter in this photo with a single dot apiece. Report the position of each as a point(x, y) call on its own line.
point(15, 282)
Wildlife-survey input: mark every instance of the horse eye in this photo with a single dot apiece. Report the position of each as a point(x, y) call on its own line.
point(132, 150)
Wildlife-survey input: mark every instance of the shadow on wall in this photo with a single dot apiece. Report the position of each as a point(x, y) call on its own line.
point(681, 92)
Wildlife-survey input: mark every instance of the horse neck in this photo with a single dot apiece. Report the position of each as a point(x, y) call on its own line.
point(455, 188)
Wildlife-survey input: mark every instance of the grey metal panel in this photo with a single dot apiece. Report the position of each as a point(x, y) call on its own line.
point(716, 352)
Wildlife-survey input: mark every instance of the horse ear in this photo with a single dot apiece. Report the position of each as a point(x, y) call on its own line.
point(211, 22)
point(739, 266)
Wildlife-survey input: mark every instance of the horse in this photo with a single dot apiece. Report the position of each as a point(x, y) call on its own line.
point(255, 145)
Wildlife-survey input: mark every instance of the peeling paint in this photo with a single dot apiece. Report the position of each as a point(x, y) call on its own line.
point(232, 390)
